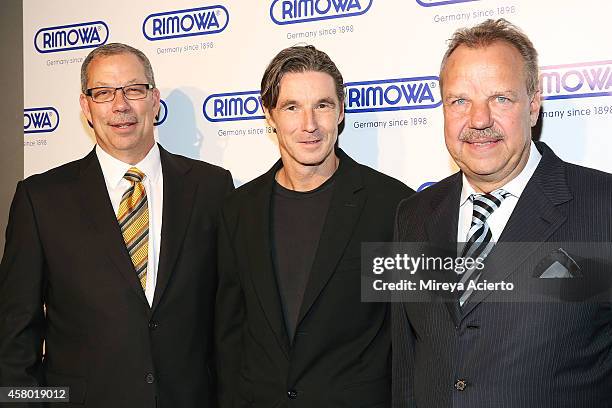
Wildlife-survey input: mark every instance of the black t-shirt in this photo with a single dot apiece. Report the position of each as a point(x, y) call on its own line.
point(297, 223)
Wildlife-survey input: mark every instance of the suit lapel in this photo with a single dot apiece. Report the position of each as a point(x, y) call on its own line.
point(534, 219)
point(259, 249)
point(442, 224)
point(347, 202)
point(179, 190)
point(98, 210)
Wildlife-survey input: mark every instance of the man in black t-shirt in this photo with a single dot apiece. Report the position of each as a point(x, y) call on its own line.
point(290, 324)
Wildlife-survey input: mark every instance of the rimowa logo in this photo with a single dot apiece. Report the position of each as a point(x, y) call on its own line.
point(300, 11)
point(71, 37)
point(582, 80)
point(40, 120)
point(232, 106)
point(185, 23)
point(393, 94)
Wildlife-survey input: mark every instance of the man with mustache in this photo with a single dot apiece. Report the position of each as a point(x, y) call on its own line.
point(485, 348)
point(291, 328)
point(110, 260)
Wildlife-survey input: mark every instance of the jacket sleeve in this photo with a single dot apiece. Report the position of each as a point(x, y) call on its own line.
point(229, 317)
point(22, 285)
point(229, 184)
point(402, 340)
point(403, 359)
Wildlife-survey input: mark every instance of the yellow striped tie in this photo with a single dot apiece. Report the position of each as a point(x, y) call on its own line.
point(133, 217)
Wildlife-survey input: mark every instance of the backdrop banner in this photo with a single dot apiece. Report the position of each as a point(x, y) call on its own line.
point(209, 56)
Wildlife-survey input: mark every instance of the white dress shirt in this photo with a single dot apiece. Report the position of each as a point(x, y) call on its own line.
point(114, 170)
point(498, 220)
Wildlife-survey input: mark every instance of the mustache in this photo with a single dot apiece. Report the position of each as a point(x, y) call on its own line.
point(475, 135)
point(122, 118)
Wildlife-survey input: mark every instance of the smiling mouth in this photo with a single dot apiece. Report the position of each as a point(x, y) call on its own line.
point(481, 137)
point(483, 143)
point(123, 125)
point(311, 141)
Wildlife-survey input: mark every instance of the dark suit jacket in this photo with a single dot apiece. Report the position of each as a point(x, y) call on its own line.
point(511, 355)
point(340, 356)
point(65, 250)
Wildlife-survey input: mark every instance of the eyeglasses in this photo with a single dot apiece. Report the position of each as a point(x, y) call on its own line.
point(132, 92)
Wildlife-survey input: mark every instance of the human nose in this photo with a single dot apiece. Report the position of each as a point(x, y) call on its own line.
point(480, 116)
point(309, 121)
point(120, 102)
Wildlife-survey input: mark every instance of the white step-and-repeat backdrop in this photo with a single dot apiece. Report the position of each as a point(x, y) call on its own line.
point(209, 56)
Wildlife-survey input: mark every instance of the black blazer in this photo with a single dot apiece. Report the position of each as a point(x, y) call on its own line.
point(65, 250)
point(340, 356)
point(509, 354)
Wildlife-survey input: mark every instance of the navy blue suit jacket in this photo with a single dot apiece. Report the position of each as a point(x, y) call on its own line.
point(510, 354)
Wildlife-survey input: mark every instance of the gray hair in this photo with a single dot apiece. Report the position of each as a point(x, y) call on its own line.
point(115, 49)
point(490, 31)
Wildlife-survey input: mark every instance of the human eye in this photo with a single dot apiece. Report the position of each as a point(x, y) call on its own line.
point(502, 99)
point(101, 92)
point(134, 90)
point(457, 104)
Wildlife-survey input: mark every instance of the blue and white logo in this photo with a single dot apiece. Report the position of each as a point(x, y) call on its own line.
point(163, 113)
point(71, 37)
point(300, 11)
point(231, 106)
point(185, 23)
point(40, 120)
point(431, 3)
point(582, 80)
point(392, 94)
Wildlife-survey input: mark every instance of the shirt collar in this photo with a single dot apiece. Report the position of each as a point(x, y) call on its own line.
point(515, 186)
point(114, 169)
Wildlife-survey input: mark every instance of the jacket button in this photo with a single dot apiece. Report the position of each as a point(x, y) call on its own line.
point(292, 394)
point(149, 378)
point(460, 385)
point(153, 325)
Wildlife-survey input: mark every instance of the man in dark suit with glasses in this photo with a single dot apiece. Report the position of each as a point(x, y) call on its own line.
point(110, 260)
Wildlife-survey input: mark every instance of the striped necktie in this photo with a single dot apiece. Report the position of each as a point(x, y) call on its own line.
point(133, 218)
point(479, 238)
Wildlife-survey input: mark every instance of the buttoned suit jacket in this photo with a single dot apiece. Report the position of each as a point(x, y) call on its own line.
point(340, 355)
point(519, 354)
point(64, 249)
